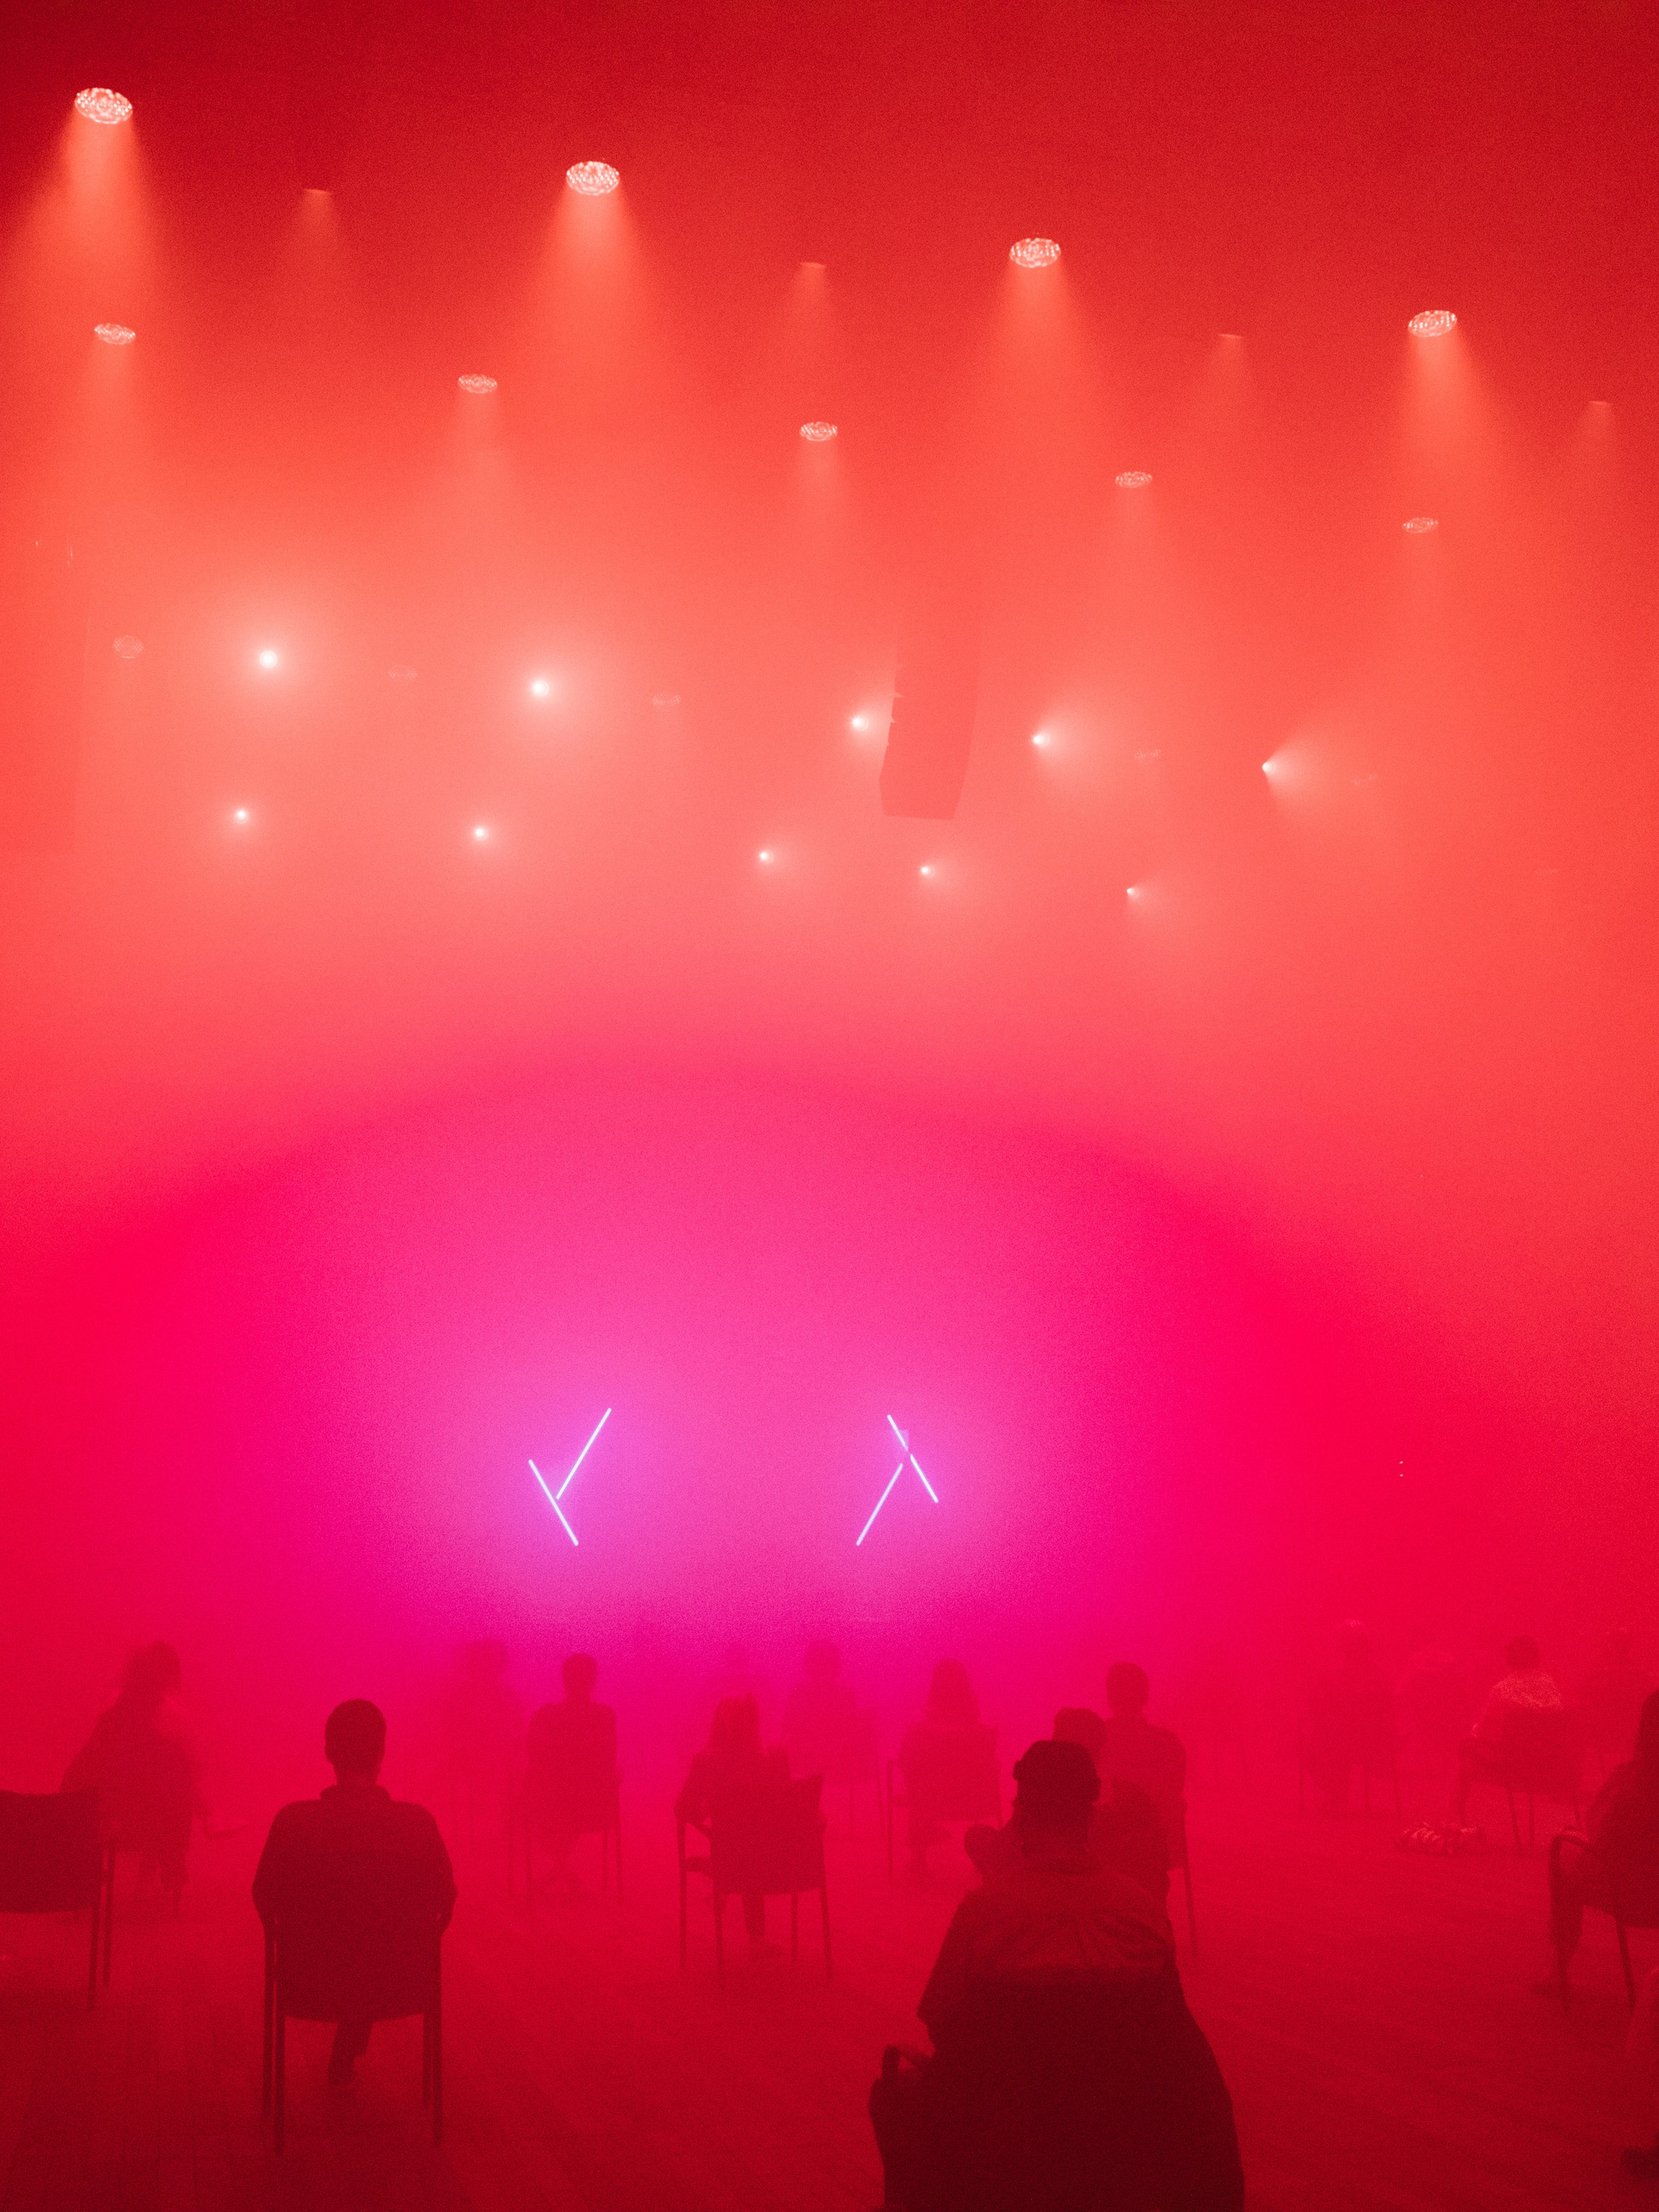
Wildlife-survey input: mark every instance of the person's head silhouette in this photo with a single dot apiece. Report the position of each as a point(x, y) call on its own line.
point(1055, 1784)
point(354, 1741)
point(1126, 1689)
point(151, 1676)
point(579, 1673)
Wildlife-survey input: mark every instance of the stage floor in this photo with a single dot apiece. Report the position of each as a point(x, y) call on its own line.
point(1371, 2010)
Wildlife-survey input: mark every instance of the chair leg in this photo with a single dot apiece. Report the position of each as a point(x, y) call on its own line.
point(1191, 1921)
point(604, 1859)
point(719, 1939)
point(1624, 1961)
point(616, 1834)
point(437, 2017)
point(1532, 1820)
point(279, 2086)
point(109, 1911)
point(270, 2007)
point(92, 1962)
point(823, 1901)
point(682, 1917)
point(425, 2056)
point(794, 1928)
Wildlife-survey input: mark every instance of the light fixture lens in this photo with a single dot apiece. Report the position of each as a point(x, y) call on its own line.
point(1420, 525)
point(592, 178)
point(128, 649)
point(926, 868)
point(1133, 479)
point(239, 815)
point(819, 434)
point(540, 688)
point(268, 656)
point(115, 334)
point(1039, 737)
point(1432, 323)
point(860, 722)
point(479, 386)
point(1034, 252)
point(400, 673)
point(480, 833)
point(764, 856)
point(100, 105)
point(664, 698)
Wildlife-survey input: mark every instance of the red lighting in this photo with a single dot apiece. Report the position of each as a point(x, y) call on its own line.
point(1420, 525)
point(1432, 323)
point(100, 105)
point(479, 386)
point(1133, 479)
point(115, 334)
point(819, 434)
point(664, 698)
point(592, 178)
point(402, 674)
point(1034, 252)
point(128, 649)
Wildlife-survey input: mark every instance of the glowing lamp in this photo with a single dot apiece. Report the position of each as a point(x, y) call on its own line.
point(540, 688)
point(1432, 323)
point(480, 833)
point(239, 816)
point(926, 868)
point(1420, 525)
point(1133, 479)
point(860, 722)
point(1039, 737)
point(819, 434)
point(115, 334)
point(100, 105)
point(765, 858)
point(268, 656)
point(592, 179)
point(1034, 253)
point(128, 649)
point(479, 386)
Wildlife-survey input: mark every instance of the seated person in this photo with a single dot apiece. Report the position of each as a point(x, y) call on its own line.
point(820, 1717)
point(140, 1760)
point(1525, 1688)
point(358, 1825)
point(570, 1776)
point(733, 1767)
point(1350, 1715)
point(1153, 1759)
point(1068, 2071)
point(1124, 1830)
point(1615, 1863)
point(948, 1758)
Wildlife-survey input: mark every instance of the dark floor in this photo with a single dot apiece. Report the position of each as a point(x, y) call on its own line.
point(1371, 2010)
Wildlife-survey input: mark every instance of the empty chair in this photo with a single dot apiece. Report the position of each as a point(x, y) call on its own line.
point(762, 1842)
point(55, 1858)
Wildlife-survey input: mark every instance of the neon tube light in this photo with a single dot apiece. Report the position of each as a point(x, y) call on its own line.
point(553, 1502)
point(880, 1502)
point(582, 1455)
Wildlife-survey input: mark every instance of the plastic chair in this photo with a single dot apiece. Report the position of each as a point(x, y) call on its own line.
point(55, 1858)
point(763, 1842)
point(1625, 1911)
point(365, 1944)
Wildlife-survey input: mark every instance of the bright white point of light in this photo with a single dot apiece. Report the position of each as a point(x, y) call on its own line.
point(860, 722)
point(819, 434)
point(764, 856)
point(239, 817)
point(1133, 479)
point(926, 868)
point(1432, 323)
point(664, 698)
point(479, 386)
point(480, 833)
point(592, 178)
point(1269, 767)
point(128, 649)
point(100, 105)
point(401, 673)
point(268, 656)
point(540, 688)
point(1420, 525)
point(1034, 252)
point(1133, 892)
point(114, 333)
point(1039, 737)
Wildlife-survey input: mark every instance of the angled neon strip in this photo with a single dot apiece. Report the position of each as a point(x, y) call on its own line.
point(911, 1456)
point(582, 1455)
point(553, 1502)
point(880, 1502)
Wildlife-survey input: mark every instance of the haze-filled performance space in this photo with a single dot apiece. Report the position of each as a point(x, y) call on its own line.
point(828, 1039)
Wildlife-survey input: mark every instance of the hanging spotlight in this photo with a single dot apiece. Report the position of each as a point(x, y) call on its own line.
point(128, 649)
point(115, 334)
point(479, 386)
point(1420, 525)
point(1034, 252)
point(1432, 323)
point(100, 105)
point(1133, 479)
point(819, 434)
point(594, 179)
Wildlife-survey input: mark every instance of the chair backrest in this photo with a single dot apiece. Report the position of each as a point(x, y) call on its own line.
point(769, 1841)
point(357, 1935)
point(49, 1852)
point(1544, 1747)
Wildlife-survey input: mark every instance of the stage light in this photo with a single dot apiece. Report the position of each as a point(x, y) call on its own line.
point(400, 673)
point(1269, 767)
point(115, 334)
point(819, 434)
point(479, 386)
point(910, 1457)
point(592, 178)
point(860, 722)
point(554, 1503)
point(1420, 525)
point(764, 856)
point(540, 688)
point(664, 698)
point(1432, 323)
point(926, 868)
point(1133, 892)
point(239, 815)
point(1034, 252)
point(128, 649)
point(480, 833)
point(100, 105)
point(268, 656)
point(1150, 753)
point(553, 1497)
point(1133, 479)
point(1039, 737)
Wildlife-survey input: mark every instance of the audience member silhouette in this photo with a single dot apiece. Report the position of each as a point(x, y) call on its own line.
point(1525, 1688)
point(729, 1771)
point(820, 1716)
point(140, 1759)
point(483, 1729)
point(1614, 1865)
point(1125, 1831)
point(570, 1781)
point(948, 1758)
point(1349, 1717)
point(1611, 1698)
point(357, 1829)
point(1153, 1759)
point(1068, 2071)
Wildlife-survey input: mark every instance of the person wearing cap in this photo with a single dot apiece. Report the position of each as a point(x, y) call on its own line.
point(1067, 2070)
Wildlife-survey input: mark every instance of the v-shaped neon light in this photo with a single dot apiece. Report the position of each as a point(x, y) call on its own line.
point(553, 1498)
point(904, 1442)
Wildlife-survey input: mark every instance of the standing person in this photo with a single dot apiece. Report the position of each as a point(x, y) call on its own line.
point(570, 1780)
point(348, 1848)
point(733, 1767)
point(140, 1759)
